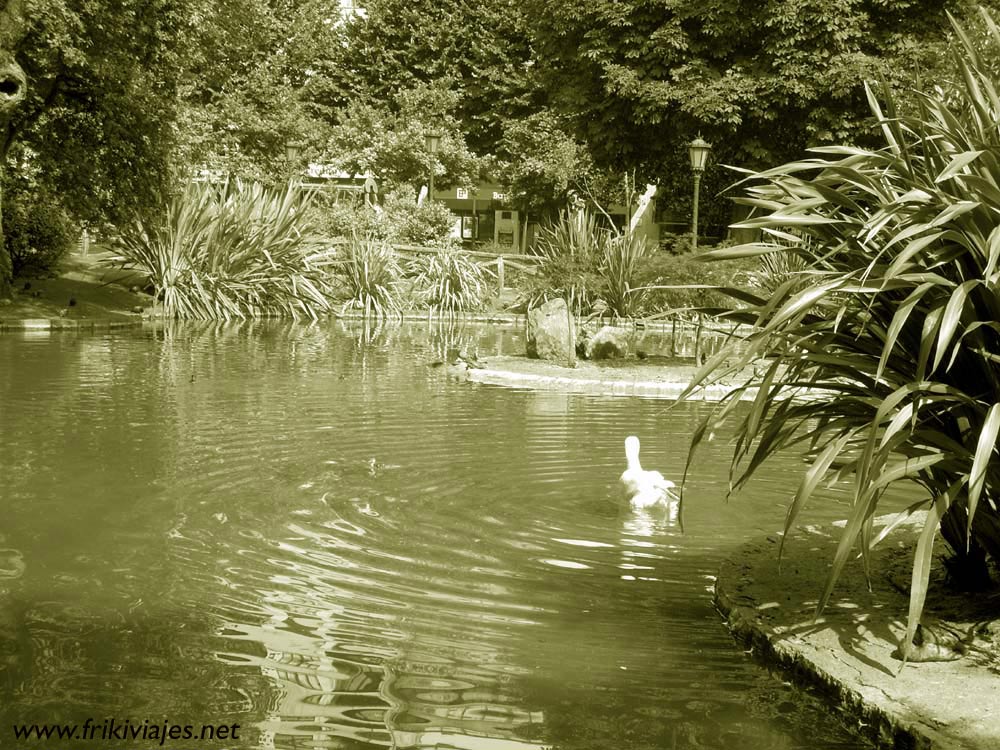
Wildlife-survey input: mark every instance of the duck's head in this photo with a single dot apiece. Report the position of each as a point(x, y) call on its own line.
point(632, 450)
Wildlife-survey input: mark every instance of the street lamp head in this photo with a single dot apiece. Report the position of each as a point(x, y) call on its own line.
point(433, 139)
point(698, 151)
point(291, 151)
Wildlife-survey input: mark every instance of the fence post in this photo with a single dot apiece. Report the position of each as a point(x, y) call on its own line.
point(500, 279)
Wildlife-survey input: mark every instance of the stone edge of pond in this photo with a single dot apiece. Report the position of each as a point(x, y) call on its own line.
point(64, 324)
point(506, 318)
point(899, 713)
point(598, 386)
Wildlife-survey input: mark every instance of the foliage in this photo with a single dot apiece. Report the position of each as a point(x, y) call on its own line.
point(370, 271)
point(544, 162)
point(483, 53)
point(96, 123)
point(37, 232)
point(571, 252)
point(343, 217)
point(253, 83)
point(404, 222)
point(235, 251)
point(896, 328)
point(389, 138)
point(681, 283)
point(641, 78)
point(451, 281)
point(399, 221)
point(624, 253)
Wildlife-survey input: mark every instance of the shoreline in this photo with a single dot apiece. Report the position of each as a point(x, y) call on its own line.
point(665, 380)
point(847, 654)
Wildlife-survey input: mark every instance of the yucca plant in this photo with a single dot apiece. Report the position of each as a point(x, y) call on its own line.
point(571, 251)
point(620, 266)
point(371, 272)
point(894, 328)
point(451, 281)
point(236, 251)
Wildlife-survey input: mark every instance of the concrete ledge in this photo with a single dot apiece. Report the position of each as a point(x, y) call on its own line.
point(616, 378)
point(65, 324)
point(603, 386)
point(848, 653)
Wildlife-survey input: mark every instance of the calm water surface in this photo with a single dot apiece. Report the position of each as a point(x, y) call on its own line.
point(309, 531)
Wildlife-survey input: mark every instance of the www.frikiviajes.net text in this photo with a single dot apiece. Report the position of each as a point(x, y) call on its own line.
point(145, 731)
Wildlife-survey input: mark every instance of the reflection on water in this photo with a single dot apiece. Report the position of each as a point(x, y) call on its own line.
point(310, 531)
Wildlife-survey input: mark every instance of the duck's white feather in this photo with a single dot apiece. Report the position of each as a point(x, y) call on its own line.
point(643, 488)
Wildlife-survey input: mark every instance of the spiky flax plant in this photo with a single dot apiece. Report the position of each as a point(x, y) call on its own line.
point(882, 356)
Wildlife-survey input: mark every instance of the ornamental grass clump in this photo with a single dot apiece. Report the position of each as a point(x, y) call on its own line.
point(234, 251)
point(581, 261)
point(892, 330)
point(370, 272)
point(571, 250)
point(623, 256)
point(451, 281)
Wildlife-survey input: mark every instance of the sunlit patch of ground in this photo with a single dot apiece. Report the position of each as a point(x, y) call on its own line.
point(84, 289)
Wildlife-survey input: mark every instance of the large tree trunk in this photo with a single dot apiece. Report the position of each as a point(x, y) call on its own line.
point(13, 87)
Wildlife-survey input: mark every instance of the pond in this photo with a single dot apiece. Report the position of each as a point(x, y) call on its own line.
point(311, 533)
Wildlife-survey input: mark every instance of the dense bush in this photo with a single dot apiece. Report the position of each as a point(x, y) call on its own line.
point(406, 223)
point(370, 273)
point(37, 232)
point(451, 281)
point(895, 323)
point(399, 220)
point(680, 283)
point(232, 251)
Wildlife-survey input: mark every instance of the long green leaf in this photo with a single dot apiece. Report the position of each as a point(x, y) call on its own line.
point(985, 447)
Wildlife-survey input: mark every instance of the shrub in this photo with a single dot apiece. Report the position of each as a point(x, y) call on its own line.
point(399, 221)
point(340, 217)
point(37, 232)
point(370, 271)
point(679, 283)
point(236, 251)
point(451, 281)
point(624, 254)
point(403, 222)
point(571, 250)
point(895, 324)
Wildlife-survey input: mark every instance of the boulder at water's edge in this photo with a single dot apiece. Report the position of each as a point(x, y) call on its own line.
point(608, 343)
point(550, 333)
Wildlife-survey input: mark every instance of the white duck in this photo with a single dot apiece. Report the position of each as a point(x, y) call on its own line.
point(644, 488)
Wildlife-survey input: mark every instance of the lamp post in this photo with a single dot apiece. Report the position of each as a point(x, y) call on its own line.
point(433, 140)
point(698, 151)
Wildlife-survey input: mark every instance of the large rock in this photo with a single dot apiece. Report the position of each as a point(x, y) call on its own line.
point(608, 343)
point(550, 333)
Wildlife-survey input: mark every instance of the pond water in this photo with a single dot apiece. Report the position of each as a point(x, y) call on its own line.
point(308, 531)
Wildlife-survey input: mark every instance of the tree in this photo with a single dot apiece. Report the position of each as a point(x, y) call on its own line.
point(641, 78)
point(482, 48)
point(389, 139)
point(13, 85)
point(255, 83)
point(543, 162)
point(97, 92)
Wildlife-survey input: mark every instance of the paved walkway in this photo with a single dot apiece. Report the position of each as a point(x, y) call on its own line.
point(849, 652)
